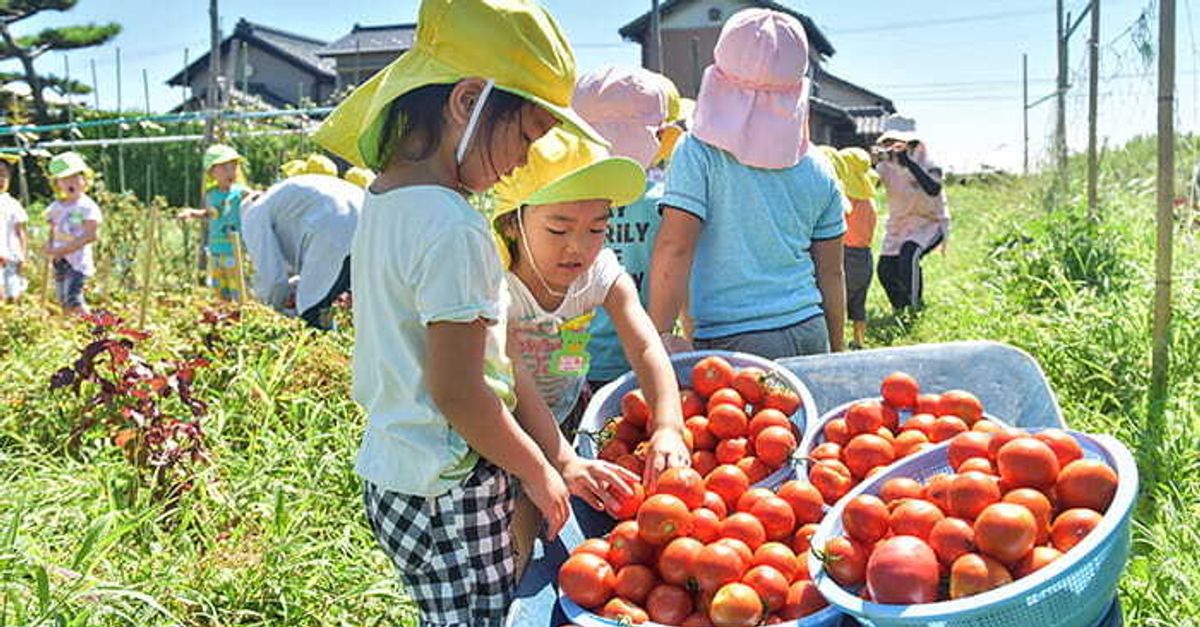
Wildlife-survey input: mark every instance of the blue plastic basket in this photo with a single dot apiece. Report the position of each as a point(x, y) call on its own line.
point(606, 403)
point(1075, 590)
point(827, 617)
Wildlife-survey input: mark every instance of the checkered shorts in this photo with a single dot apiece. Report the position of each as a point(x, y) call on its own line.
point(454, 552)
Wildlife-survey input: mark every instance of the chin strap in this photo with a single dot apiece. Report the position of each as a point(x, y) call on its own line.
point(473, 122)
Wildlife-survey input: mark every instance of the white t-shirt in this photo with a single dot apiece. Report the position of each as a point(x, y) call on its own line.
point(12, 215)
point(553, 345)
point(67, 218)
point(421, 255)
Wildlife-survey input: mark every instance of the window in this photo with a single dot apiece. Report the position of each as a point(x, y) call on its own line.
point(714, 14)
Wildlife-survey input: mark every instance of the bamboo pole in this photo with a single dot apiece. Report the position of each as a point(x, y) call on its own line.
point(1160, 352)
point(150, 231)
point(238, 261)
point(1093, 112)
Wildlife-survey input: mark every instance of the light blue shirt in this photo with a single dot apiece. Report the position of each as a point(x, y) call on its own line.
point(631, 232)
point(753, 270)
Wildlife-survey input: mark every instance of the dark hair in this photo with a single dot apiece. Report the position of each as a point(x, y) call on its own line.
point(508, 222)
point(415, 121)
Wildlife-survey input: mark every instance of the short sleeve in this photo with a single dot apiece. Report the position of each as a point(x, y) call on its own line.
point(91, 212)
point(459, 278)
point(606, 270)
point(687, 179)
point(831, 220)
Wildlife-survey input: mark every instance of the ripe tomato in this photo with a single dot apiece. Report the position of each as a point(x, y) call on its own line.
point(971, 492)
point(619, 609)
point(836, 431)
point(632, 463)
point(1001, 437)
point(770, 585)
point(749, 383)
point(831, 478)
point(960, 403)
point(864, 417)
point(711, 374)
point(730, 450)
point(697, 619)
point(775, 445)
point(907, 442)
point(777, 556)
point(755, 468)
point(1026, 462)
point(806, 501)
point(716, 565)
point(677, 561)
point(865, 518)
point(973, 573)
point(915, 517)
point(802, 541)
point(668, 605)
point(729, 482)
point(887, 434)
point(751, 497)
point(920, 421)
point(986, 426)
point(899, 488)
point(1086, 483)
point(702, 438)
point(845, 559)
point(1038, 558)
point(951, 538)
point(726, 396)
point(1005, 531)
point(727, 421)
point(663, 518)
point(977, 464)
point(900, 390)
point(634, 582)
point(1072, 526)
point(802, 570)
point(803, 599)
point(627, 546)
point(614, 449)
point(867, 451)
point(776, 517)
point(743, 550)
point(736, 605)
point(1065, 448)
point(767, 418)
point(690, 403)
point(685, 483)
point(587, 580)
point(826, 450)
point(703, 462)
point(891, 418)
point(635, 409)
point(937, 491)
point(903, 570)
point(627, 506)
point(745, 527)
point(967, 445)
point(623, 429)
point(946, 427)
point(714, 502)
point(1038, 505)
point(706, 526)
point(780, 396)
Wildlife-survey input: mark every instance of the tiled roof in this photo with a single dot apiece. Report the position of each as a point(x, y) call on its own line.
point(380, 38)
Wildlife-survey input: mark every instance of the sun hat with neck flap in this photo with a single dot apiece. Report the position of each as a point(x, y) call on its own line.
point(753, 100)
point(627, 105)
point(515, 44)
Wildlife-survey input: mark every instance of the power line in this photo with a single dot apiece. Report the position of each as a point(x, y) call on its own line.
point(963, 19)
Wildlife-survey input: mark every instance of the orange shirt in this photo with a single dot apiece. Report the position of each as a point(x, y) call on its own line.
point(860, 223)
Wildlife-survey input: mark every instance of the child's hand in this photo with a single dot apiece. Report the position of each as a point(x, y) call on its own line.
point(549, 494)
point(49, 250)
point(667, 450)
point(675, 344)
point(597, 482)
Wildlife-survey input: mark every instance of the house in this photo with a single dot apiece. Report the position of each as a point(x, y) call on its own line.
point(367, 49)
point(278, 68)
point(841, 113)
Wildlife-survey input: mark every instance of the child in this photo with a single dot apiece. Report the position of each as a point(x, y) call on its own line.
point(227, 191)
point(74, 226)
point(858, 182)
point(13, 243)
point(483, 80)
point(750, 219)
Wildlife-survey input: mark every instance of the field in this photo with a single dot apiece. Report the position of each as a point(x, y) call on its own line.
point(271, 532)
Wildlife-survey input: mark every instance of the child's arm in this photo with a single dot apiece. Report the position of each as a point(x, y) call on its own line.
point(454, 375)
point(192, 214)
point(23, 239)
point(670, 267)
point(831, 281)
point(90, 228)
point(654, 372)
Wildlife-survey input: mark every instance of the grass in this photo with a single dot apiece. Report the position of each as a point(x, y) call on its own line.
point(274, 534)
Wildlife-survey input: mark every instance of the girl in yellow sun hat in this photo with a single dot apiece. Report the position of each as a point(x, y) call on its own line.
point(450, 422)
point(226, 192)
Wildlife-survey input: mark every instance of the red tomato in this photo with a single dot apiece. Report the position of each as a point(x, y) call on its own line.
point(920, 421)
point(831, 478)
point(806, 501)
point(775, 445)
point(1086, 483)
point(967, 445)
point(677, 561)
point(864, 417)
point(714, 502)
point(614, 449)
point(972, 574)
point(711, 374)
point(729, 451)
point(706, 526)
point(587, 580)
point(1038, 558)
point(826, 450)
point(900, 390)
point(1065, 447)
point(782, 397)
point(685, 483)
point(635, 409)
point(1005, 531)
point(777, 556)
point(846, 560)
point(803, 599)
point(663, 518)
point(755, 468)
point(977, 464)
point(743, 550)
point(971, 492)
point(1072, 526)
point(915, 517)
point(891, 418)
point(627, 506)
point(907, 442)
point(927, 404)
point(937, 491)
point(697, 619)
point(867, 451)
point(960, 403)
point(749, 383)
point(802, 541)
point(1038, 505)
point(623, 429)
point(736, 605)
point(776, 517)
point(729, 482)
point(836, 431)
point(951, 538)
point(900, 488)
point(744, 527)
point(619, 609)
point(726, 396)
point(865, 518)
point(690, 403)
point(770, 585)
point(903, 570)
point(1026, 462)
point(668, 605)
point(703, 462)
point(716, 565)
point(751, 497)
point(946, 427)
point(767, 418)
point(634, 582)
point(702, 438)
point(627, 546)
point(727, 421)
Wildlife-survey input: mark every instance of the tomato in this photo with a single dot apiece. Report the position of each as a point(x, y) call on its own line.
point(1086, 483)
point(587, 580)
point(1065, 448)
point(745, 527)
point(967, 445)
point(776, 516)
point(962, 404)
point(668, 605)
point(922, 422)
point(864, 417)
point(836, 431)
point(727, 421)
point(866, 451)
point(767, 418)
point(690, 403)
point(1038, 558)
point(634, 582)
point(614, 449)
point(677, 561)
point(755, 468)
point(781, 397)
point(743, 550)
point(624, 611)
point(1072, 526)
point(950, 538)
point(946, 427)
point(826, 450)
point(886, 434)
point(907, 442)
point(865, 518)
point(711, 374)
point(1005, 531)
point(1001, 437)
point(716, 565)
point(726, 396)
point(899, 488)
point(627, 505)
point(627, 546)
point(806, 501)
point(1026, 462)
point(972, 574)
point(736, 605)
point(623, 429)
point(632, 463)
point(749, 383)
point(802, 541)
point(915, 517)
point(977, 464)
point(927, 404)
point(704, 462)
point(831, 478)
point(900, 390)
point(696, 619)
point(596, 546)
point(635, 409)
point(777, 556)
point(937, 491)
point(903, 570)
point(729, 482)
point(1038, 505)
point(714, 502)
point(685, 483)
point(845, 559)
point(752, 496)
point(891, 418)
point(971, 492)
point(729, 451)
point(663, 518)
point(775, 445)
point(702, 437)
point(706, 526)
point(770, 585)
point(803, 599)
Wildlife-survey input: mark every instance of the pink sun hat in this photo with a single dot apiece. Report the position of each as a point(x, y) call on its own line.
point(626, 105)
point(753, 100)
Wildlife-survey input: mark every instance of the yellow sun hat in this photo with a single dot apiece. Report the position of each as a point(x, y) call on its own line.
point(217, 154)
point(361, 177)
point(564, 167)
point(835, 160)
point(320, 164)
point(11, 158)
point(679, 114)
point(514, 43)
point(859, 179)
point(68, 163)
point(294, 167)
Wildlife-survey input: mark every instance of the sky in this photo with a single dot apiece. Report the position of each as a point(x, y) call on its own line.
point(953, 65)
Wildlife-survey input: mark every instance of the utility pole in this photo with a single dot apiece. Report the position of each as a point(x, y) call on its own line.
point(120, 128)
point(1093, 111)
point(95, 84)
point(67, 89)
point(1025, 111)
point(1060, 120)
point(212, 101)
point(655, 47)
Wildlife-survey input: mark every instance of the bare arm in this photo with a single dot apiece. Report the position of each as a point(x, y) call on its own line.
point(671, 265)
point(831, 281)
point(23, 238)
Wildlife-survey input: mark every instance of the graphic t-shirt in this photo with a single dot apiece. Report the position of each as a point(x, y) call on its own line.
point(67, 220)
point(229, 218)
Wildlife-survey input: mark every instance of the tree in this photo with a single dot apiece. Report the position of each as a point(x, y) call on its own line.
point(28, 48)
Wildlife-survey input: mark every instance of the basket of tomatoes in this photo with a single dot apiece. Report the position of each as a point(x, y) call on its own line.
point(740, 410)
point(857, 439)
point(1003, 528)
